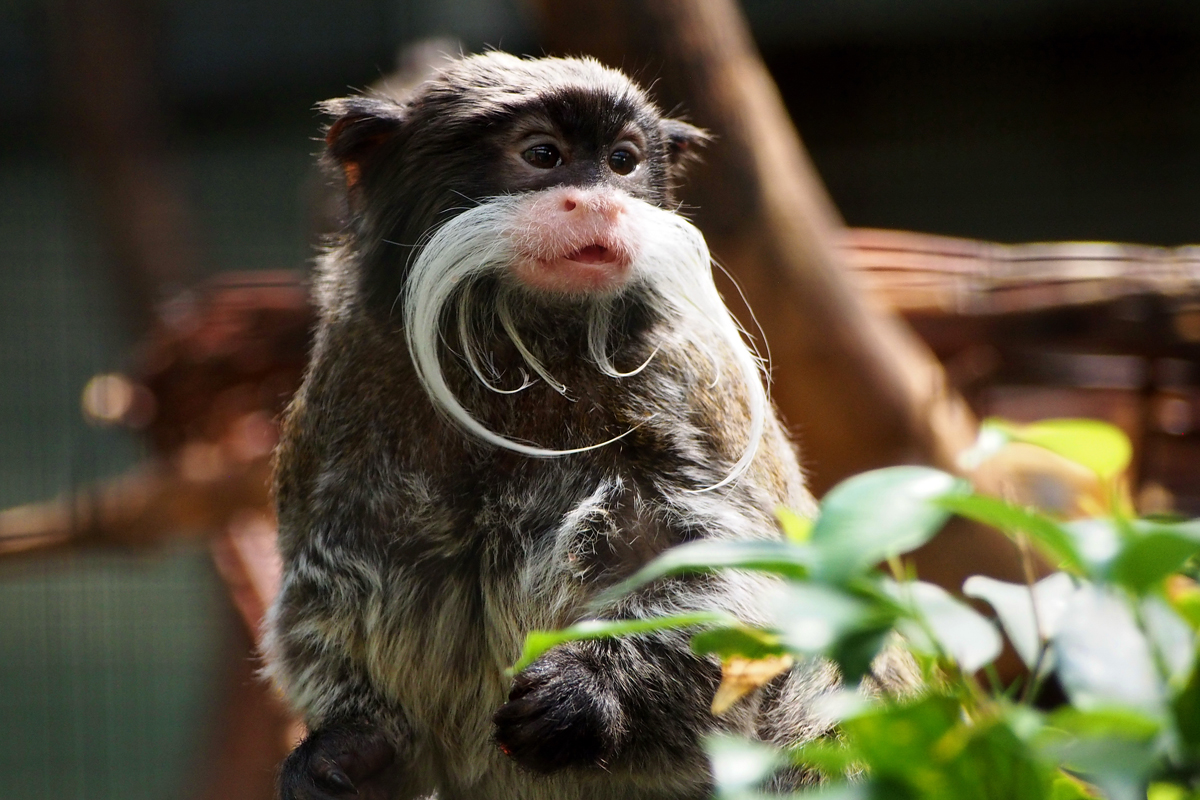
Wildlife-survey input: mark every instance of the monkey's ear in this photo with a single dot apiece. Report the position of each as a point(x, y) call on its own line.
point(361, 126)
point(683, 142)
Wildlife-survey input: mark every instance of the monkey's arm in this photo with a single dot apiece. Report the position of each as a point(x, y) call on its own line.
point(634, 705)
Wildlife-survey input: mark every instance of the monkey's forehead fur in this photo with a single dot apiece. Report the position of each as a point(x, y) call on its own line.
point(498, 83)
point(504, 82)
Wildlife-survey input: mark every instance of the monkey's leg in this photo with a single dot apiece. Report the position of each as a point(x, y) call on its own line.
point(342, 760)
point(359, 746)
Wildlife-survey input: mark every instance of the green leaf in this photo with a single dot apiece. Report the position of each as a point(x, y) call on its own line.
point(708, 555)
point(1104, 659)
point(1186, 708)
point(1155, 551)
point(819, 619)
point(1123, 723)
point(1171, 637)
point(855, 652)
point(1187, 603)
point(851, 791)
point(1166, 791)
point(796, 528)
point(1099, 446)
point(829, 756)
point(930, 748)
point(739, 765)
point(995, 763)
point(538, 642)
point(1042, 530)
point(894, 738)
point(960, 631)
point(1112, 751)
point(1113, 748)
point(878, 514)
point(1067, 788)
point(737, 640)
point(812, 617)
point(1014, 605)
point(1098, 541)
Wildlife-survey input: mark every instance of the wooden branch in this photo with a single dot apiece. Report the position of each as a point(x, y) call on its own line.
point(207, 393)
point(918, 273)
point(142, 508)
point(859, 389)
point(247, 558)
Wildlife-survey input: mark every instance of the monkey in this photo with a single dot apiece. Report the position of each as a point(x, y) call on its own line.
point(524, 385)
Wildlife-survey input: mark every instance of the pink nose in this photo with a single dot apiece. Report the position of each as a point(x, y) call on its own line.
point(587, 202)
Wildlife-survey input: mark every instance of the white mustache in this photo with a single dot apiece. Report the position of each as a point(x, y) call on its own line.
point(673, 260)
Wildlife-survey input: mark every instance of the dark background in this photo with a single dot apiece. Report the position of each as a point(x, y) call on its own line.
point(1014, 121)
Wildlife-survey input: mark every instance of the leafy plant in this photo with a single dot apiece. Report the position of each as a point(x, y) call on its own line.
point(1116, 625)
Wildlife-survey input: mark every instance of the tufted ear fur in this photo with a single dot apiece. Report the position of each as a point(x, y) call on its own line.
point(683, 143)
point(361, 126)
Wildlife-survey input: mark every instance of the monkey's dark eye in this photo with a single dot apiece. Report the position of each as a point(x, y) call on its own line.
point(622, 161)
point(543, 156)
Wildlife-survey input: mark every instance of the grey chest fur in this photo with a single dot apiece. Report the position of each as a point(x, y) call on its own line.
point(457, 593)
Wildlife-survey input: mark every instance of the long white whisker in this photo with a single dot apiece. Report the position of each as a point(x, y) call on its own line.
point(505, 316)
point(691, 293)
point(600, 318)
point(752, 342)
point(467, 341)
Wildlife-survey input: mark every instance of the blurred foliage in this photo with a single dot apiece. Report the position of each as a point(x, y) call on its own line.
point(1116, 626)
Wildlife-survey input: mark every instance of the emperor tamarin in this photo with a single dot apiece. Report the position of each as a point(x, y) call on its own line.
point(524, 386)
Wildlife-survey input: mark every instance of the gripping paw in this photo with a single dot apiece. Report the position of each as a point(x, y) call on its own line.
point(558, 716)
point(348, 761)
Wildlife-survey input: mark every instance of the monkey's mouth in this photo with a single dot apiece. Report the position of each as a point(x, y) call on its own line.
point(593, 254)
point(593, 268)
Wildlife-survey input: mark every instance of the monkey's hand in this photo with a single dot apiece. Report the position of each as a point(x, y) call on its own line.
point(559, 715)
point(340, 761)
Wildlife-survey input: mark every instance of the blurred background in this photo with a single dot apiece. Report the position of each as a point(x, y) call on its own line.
point(149, 145)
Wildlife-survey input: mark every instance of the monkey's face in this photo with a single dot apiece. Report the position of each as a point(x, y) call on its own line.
point(580, 142)
point(578, 156)
point(578, 162)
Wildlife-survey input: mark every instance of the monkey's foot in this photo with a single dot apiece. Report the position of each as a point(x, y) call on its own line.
point(339, 762)
point(557, 716)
